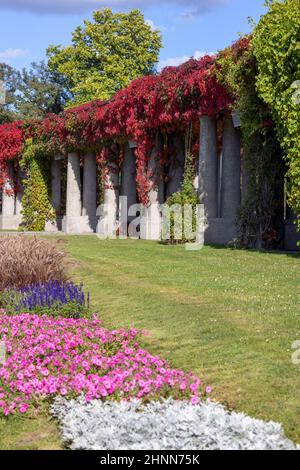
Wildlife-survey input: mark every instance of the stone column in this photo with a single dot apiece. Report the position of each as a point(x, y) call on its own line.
point(8, 196)
point(19, 197)
point(208, 167)
point(151, 220)
point(56, 183)
point(55, 168)
point(107, 226)
point(89, 208)
point(176, 167)
point(73, 210)
point(245, 180)
point(231, 171)
point(128, 188)
point(9, 219)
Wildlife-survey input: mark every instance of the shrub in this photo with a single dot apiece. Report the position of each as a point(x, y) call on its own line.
point(187, 196)
point(25, 261)
point(52, 298)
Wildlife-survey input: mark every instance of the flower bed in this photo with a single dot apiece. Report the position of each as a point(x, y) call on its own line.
point(52, 298)
point(49, 357)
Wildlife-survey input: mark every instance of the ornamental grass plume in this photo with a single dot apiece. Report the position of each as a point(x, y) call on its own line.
point(26, 260)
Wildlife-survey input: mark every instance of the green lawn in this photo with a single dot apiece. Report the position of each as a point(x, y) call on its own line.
point(23, 433)
point(230, 316)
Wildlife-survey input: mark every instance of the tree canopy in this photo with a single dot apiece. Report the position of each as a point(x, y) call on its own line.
point(10, 79)
point(106, 54)
point(32, 93)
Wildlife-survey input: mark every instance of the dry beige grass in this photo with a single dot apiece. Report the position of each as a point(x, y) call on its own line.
point(27, 260)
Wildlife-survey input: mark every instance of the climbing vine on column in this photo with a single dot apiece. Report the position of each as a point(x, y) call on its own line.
point(276, 43)
point(36, 202)
point(261, 215)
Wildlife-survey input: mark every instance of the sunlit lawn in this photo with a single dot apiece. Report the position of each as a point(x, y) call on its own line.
point(230, 316)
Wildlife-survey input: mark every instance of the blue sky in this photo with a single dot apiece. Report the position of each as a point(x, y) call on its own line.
point(189, 27)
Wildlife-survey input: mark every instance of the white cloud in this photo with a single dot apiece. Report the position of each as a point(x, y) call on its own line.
point(10, 54)
point(175, 61)
point(152, 25)
point(79, 6)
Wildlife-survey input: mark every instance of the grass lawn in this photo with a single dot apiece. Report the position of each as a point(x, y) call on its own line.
point(23, 433)
point(230, 316)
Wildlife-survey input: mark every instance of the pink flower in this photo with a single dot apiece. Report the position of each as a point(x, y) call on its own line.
point(208, 390)
point(182, 386)
point(57, 356)
point(23, 408)
point(195, 400)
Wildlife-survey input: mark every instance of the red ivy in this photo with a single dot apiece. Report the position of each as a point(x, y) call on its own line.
point(167, 103)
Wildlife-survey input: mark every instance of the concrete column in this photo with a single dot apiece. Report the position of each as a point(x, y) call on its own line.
point(90, 186)
point(176, 167)
point(231, 171)
point(73, 210)
point(8, 196)
point(245, 180)
point(208, 167)
point(128, 188)
point(73, 186)
point(151, 220)
point(19, 203)
point(56, 183)
point(9, 219)
point(55, 193)
point(107, 226)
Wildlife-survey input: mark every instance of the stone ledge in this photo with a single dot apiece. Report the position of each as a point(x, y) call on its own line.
point(10, 222)
point(79, 225)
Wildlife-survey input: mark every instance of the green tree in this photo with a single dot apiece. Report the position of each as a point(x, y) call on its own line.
point(10, 78)
point(40, 91)
point(106, 54)
point(32, 93)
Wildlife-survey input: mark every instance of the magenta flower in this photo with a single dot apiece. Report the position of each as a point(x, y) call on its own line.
point(47, 357)
point(23, 408)
point(195, 400)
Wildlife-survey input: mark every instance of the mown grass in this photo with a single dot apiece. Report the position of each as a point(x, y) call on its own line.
point(230, 316)
point(29, 433)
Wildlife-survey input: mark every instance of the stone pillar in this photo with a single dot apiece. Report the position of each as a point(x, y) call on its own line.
point(151, 220)
point(128, 188)
point(291, 234)
point(176, 167)
point(56, 183)
point(245, 180)
point(89, 208)
point(107, 226)
point(8, 196)
point(9, 220)
point(19, 204)
point(73, 210)
point(231, 171)
point(208, 167)
point(55, 193)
